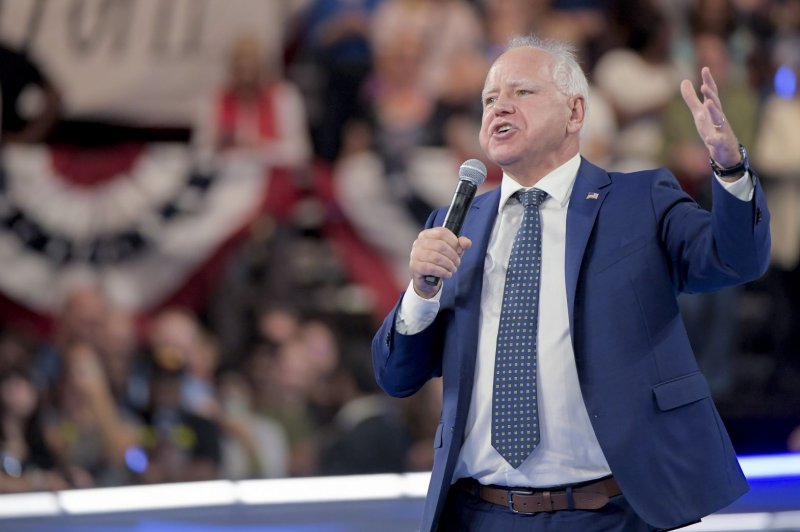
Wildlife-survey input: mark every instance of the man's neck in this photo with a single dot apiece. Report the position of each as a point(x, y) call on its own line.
point(528, 176)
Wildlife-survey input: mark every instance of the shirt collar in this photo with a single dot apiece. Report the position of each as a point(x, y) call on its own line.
point(558, 183)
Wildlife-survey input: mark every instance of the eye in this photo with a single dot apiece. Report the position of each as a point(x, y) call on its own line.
point(489, 100)
point(524, 92)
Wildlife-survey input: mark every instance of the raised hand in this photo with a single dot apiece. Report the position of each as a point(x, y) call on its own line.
point(709, 119)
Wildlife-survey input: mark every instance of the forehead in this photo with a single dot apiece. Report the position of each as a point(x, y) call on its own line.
point(520, 64)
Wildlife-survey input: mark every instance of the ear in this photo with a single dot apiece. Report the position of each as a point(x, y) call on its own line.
point(577, 106)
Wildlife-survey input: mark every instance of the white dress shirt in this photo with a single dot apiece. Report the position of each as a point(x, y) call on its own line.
point(568, 451)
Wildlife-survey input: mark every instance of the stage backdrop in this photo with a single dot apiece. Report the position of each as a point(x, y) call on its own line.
point(135, 61)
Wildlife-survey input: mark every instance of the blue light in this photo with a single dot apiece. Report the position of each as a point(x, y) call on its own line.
point(771, 465)
point(136, 459)
point(785, 82)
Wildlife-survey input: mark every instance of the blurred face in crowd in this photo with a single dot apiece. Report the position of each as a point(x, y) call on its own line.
point(711, 51)
point(174, 337)
point(529, 125)
point(399, 61)
point(18, 397)
point(84, 316)
point(247, 64)
point(118, 346)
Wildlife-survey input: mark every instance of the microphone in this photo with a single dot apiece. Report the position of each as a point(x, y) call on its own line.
point(471, 175)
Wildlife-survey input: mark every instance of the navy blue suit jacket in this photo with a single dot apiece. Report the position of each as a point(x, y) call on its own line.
point(634, 241)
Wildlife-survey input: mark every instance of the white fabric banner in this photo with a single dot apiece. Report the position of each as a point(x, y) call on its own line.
point(141, 62)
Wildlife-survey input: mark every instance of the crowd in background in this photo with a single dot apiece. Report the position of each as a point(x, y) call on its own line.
point(271, 376)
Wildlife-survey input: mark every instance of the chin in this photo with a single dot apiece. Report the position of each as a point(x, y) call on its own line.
point(502, 160)
point(503, 153)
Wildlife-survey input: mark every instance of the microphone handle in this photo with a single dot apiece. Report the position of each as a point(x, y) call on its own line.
point(462, 199)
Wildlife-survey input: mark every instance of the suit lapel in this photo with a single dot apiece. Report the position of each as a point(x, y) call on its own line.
point(478, 227)
point(588, 194)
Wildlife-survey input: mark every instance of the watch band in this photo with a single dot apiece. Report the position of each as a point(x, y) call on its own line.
point(741, 166)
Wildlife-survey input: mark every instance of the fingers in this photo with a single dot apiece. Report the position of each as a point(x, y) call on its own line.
point(716, 115)
point(708, 81)
point(709, 119)
point(690, 97)
point(711, 100)
point(708, 112)
point(436, 252)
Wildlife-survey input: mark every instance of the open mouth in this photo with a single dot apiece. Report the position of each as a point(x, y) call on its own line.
point(502, 128)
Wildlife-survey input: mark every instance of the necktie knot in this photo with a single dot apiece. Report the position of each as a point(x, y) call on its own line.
point(531, 198)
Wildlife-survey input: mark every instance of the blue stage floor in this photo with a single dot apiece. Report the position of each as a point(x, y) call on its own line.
point(384, 503)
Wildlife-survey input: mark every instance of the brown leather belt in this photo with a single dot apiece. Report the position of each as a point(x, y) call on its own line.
point(588, 496)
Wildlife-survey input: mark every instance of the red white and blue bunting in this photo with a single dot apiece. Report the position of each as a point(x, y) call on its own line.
point(139, 231)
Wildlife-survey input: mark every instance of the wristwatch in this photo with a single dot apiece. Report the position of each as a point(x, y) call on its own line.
point(741, 166)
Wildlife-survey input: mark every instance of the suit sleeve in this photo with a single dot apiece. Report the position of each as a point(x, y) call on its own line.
point(709, 251)
point(403, 363)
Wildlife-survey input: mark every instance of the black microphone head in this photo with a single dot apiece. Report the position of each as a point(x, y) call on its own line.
point(473, 171)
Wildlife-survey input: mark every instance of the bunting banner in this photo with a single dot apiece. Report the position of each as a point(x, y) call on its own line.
point(137, 219)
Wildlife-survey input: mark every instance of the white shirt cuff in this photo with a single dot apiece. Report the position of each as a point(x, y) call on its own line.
point(742, 188)
point(415, 312)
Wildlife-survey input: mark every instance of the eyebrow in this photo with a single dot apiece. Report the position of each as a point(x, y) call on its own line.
point(514, 83)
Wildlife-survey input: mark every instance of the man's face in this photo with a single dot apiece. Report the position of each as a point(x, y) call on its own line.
point(526, 118)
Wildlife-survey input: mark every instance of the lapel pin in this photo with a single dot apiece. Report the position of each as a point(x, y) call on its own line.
point(592, 195)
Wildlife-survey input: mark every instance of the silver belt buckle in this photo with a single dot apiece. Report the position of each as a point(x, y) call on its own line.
point(511, 494)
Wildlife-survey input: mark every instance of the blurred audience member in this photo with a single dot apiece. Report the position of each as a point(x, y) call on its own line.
point(16, 351)
point(363, 192)
point(178, 446)
point(440, 28)
point(779, 161)
point(80, 320)
point(639, 80)
point(367, 435)
point(456, 105)
point(124, 362)
point(715, 17)
point(26, 461)
point(83, 425)
point(253, 445)
point(321, 347)
point(30, 102)
point(277, 324)
point(258, 117)
point(282, 382)
point(398, 101)
point(599, 130)
point(338, 34)
point(178, 342)
point(505, 19)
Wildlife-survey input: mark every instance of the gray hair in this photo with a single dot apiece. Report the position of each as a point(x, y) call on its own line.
point(567, 73)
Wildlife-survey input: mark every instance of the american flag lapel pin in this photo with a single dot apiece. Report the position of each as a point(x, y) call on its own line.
point(592, 195)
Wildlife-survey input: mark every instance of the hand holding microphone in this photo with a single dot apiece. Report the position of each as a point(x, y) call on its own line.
point(437, 251)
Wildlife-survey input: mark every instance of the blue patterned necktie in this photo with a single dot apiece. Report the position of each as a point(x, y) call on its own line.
point(515, 418)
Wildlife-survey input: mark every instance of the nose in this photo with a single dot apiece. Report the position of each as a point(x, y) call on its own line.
point(502, 105)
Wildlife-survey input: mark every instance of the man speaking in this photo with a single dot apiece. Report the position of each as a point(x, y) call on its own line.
point(572, 399)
